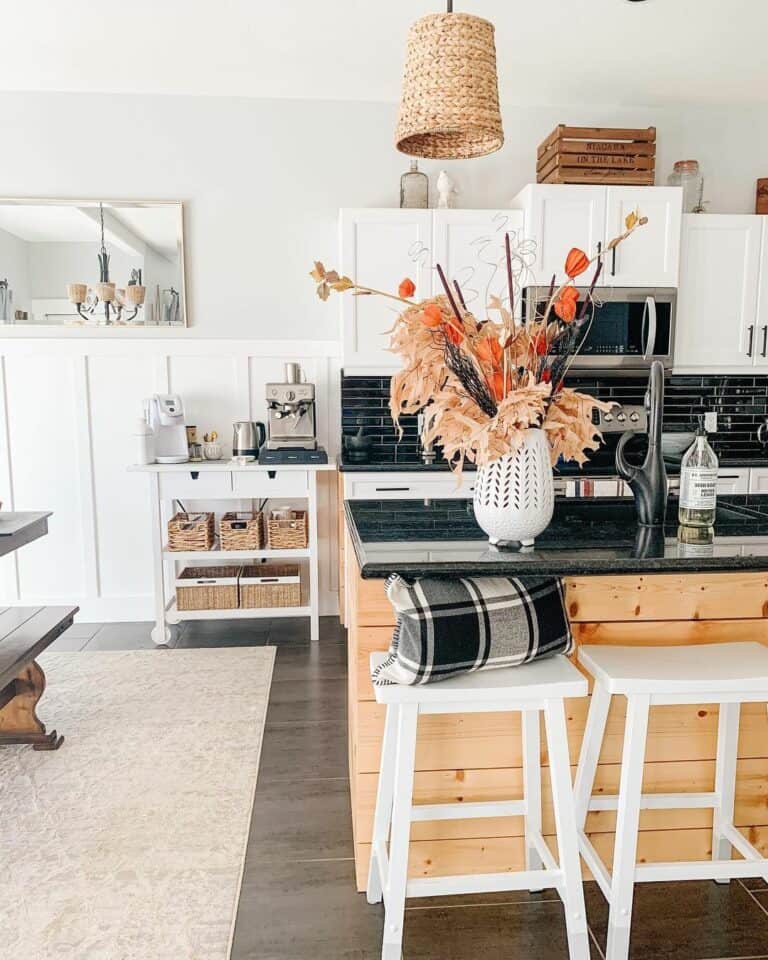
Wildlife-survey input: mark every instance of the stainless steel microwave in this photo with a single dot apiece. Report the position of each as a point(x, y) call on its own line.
point(631, 327)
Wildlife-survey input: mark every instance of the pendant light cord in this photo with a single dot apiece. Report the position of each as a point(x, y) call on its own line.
point(450, 6)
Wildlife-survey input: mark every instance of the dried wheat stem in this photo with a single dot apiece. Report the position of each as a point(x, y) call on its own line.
point(383, 293)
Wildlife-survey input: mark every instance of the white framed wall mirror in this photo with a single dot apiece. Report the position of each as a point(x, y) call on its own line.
point(91, 263)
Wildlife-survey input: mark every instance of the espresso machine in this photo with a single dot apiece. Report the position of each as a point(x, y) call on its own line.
point(291, 425)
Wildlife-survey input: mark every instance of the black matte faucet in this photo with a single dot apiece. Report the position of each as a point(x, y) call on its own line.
point(649, 481)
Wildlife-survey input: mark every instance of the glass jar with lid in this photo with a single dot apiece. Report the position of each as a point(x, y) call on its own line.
point(686, 174)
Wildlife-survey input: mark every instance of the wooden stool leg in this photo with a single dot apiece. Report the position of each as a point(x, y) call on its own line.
point(394, 896)
point(565, 824)
point(383, 815)
point(19, 722)
point(627, 822)
point(725, 779)
point(591, 746)
point(532, 787)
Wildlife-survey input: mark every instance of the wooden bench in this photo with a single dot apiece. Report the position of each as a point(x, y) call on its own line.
point(24, 633)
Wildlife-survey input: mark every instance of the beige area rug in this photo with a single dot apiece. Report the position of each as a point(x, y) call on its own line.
point(128, 842)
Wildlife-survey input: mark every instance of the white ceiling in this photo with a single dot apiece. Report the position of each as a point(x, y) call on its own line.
point(550, 51)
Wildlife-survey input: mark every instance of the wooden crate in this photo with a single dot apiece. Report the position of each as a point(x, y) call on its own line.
point(761, 200)
point(608, 155)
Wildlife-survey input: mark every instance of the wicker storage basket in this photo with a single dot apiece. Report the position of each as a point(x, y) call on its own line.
point(207, 588)
point(270, 584)
point(241, 531)
point(449, 107)
point(289, 534)
point(191, 531)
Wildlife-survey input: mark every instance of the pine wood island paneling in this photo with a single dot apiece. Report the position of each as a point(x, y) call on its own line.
point(474, 757)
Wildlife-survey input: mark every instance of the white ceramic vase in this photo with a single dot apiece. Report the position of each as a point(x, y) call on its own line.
point(514, 496)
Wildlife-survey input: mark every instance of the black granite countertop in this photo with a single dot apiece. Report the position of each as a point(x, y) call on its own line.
point(586, 536)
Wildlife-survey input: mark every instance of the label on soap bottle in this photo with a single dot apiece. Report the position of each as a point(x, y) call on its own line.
point(698, 488)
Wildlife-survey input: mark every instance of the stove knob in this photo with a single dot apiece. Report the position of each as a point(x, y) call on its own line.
point(290, 395)
point(634, 417)
point(608, 418)
point(621, 417)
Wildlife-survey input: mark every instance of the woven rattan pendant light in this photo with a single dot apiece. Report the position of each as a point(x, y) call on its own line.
point(449, 108)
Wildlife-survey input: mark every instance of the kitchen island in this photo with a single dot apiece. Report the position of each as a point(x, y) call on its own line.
point(622, 587)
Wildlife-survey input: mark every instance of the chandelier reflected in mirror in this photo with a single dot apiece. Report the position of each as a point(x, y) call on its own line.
point(105, 302)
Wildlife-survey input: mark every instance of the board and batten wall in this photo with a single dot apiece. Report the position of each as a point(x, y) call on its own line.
point(67, 412)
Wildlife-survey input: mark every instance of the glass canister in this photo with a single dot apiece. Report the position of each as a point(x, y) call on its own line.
point(686, 174)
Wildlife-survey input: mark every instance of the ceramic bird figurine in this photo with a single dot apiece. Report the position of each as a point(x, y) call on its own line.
point(446, 191)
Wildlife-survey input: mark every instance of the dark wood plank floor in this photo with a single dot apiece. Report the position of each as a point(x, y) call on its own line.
point(298, 898)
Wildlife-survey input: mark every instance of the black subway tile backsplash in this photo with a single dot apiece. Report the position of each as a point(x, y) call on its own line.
point(741, 403)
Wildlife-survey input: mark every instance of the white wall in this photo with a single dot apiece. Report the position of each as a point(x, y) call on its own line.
point(67, 411)
point(264, 179)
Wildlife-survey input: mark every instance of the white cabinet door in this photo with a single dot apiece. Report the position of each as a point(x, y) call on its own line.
point(651, 256)
point(732, 481)
point(469, 246)
point(761, 328)
point(378, 249)
point(717, 300)
point(758, 480)
point(558, 218)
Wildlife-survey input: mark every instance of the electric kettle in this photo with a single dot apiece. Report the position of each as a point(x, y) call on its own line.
point(247, 438)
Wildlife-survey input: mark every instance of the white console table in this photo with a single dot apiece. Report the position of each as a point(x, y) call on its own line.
point(226, 480)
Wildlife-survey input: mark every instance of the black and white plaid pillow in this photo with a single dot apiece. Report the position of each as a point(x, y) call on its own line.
point(454, 626)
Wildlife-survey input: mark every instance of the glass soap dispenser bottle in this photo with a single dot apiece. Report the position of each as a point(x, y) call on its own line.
point(414, 188)
point(698, 483)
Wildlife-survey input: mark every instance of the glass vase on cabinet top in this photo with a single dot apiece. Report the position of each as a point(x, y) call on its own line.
point(414, 188)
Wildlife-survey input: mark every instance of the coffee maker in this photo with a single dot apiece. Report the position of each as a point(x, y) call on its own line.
point(164, 413)
point(291, 412)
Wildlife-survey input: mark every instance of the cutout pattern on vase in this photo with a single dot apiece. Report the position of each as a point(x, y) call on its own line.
point(514, 496)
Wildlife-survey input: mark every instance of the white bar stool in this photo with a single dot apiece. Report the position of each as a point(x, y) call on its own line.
point(728, 674)
point(539, 686)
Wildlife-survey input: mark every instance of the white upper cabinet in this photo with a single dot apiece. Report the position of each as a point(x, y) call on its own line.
point(557, 218)
point(469, 246)
point(761, 327)
point(378, 249)
point(381, 247)
point(717, 300)
point(651, 256)
point(560, 217)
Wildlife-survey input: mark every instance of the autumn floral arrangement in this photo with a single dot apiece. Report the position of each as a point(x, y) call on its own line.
point(486, 382)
